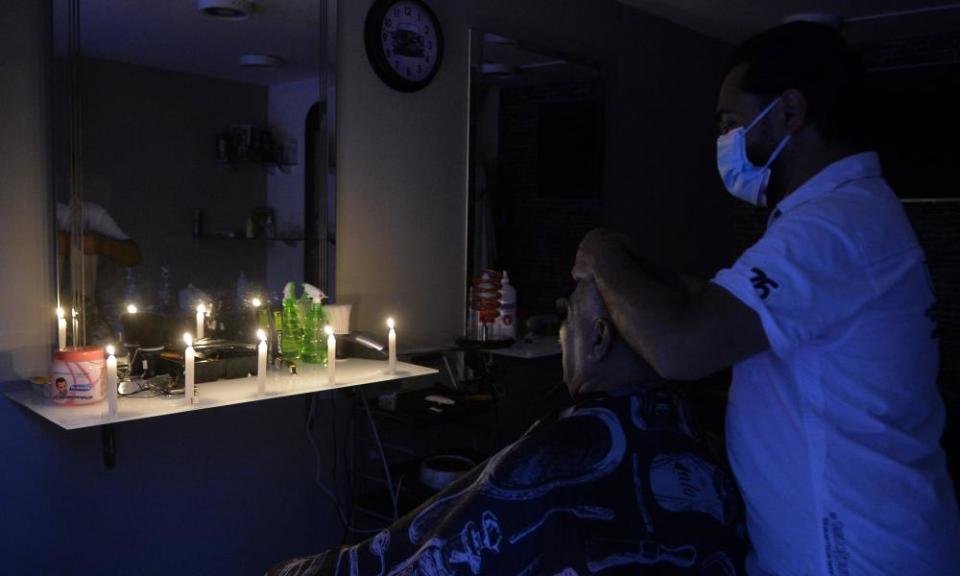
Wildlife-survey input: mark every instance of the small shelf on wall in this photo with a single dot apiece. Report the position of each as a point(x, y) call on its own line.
point(311, 378)
point(290, 241)
point(248, 144)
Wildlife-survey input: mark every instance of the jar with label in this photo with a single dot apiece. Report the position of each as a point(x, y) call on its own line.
point(77, 376)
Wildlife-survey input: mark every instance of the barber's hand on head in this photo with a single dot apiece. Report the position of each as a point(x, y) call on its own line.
point(90, 243)
point(598, 243)
point(63, 242)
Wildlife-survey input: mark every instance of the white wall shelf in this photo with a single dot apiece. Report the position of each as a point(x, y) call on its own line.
point(311, 378)
point(528, 350)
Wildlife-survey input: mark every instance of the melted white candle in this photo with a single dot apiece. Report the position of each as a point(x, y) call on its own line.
point(331, 356)
point(392, 347)
point(61, 330)
point(188, 370)
point(201, 311)
point(262, 362)
point(111, 381)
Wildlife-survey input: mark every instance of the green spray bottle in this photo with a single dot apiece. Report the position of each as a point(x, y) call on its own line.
point(314, 349)
point(292, 337)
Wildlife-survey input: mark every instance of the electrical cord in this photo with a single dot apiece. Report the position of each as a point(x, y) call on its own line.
point(316, 452)
point(160, 385)
point(333, 437)
point(394, 495)
point(336, 459)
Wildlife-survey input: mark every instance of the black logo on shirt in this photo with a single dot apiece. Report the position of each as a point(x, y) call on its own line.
point(838, 554)
point(762, 283)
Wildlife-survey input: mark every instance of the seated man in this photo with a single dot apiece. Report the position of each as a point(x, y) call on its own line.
point(616, 484)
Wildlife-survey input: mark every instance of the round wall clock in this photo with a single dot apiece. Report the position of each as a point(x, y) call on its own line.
point(404, 43)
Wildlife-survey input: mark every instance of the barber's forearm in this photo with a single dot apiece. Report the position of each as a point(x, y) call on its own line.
point(645, 311)
point(125, 252)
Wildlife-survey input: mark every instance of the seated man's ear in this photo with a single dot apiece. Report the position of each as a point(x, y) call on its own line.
point(602, 339)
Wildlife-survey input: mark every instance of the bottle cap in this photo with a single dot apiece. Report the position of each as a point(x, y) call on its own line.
point(313, 292)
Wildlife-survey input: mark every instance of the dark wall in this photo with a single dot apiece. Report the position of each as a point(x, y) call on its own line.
point(938, 228)
point(661, 184)
point(914, 120)
point(224, 491)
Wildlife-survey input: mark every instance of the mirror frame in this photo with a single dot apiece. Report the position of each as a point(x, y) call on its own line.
point(69, 137)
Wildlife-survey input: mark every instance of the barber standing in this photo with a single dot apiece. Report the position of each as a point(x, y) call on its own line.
point(834, 419)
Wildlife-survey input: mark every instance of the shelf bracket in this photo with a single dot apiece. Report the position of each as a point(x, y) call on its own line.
point(109, 446)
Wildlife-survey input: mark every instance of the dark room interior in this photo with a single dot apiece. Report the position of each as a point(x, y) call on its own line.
point(441, 287)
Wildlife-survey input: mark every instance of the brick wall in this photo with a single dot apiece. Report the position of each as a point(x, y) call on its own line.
point(936, 224)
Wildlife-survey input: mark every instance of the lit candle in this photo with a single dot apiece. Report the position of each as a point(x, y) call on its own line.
point(76, 326)
point(262, 362)
point(61, 329)
point(188, 375)
point(331, 355)
point(111, 381)
point(392, 347)
point(131, 308)
point(256, 302)
point(201, 311)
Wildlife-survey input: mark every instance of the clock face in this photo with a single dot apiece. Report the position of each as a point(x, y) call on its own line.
point(404, 43)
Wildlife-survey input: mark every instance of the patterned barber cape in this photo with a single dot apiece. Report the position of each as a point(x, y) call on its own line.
point(619, 484)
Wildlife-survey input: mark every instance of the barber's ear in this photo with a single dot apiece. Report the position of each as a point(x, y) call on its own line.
point(602, 337)
point(795, 109)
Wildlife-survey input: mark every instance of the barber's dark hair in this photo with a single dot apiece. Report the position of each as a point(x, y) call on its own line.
point(816, 60)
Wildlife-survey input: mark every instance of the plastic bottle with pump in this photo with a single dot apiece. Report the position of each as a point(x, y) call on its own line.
point(242, 289)
point(314, 350)
point(131, 291)
point(292, 336)
point(506, 322)
point(164, 291)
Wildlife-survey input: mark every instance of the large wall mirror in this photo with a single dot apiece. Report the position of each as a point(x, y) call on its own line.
point(536, 164)
point(194, 156)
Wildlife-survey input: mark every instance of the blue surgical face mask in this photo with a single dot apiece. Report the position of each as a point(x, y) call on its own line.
point(741, 178)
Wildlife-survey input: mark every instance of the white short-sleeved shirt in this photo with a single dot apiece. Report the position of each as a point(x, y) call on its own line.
point(95, 219)
point(834, 432)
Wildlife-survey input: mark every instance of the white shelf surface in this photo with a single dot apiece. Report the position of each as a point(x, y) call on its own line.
point(311, 378)
point(536, 348)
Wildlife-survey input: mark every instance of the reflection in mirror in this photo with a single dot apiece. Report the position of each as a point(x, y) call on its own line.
point(203, 163)
point(535, 170)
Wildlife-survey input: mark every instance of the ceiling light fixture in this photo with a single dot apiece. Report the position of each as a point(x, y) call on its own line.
point(261, 61)
point(489, 38)
point(226, 9)
point(498, 70)
point(825, 18)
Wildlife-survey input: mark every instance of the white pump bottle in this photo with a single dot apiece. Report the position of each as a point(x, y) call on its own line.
point(506, 322)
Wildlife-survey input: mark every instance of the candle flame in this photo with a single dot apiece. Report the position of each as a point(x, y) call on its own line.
point(73, 312)
point(328, 330)
point(110, 350)
point(256, 302)
point(390, 323)
point(201, 309)
point(60, 313)
point(131, 308)
point(262, 335)
point(187, 339)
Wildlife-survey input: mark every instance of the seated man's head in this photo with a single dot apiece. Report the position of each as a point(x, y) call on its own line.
point(595, 358)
